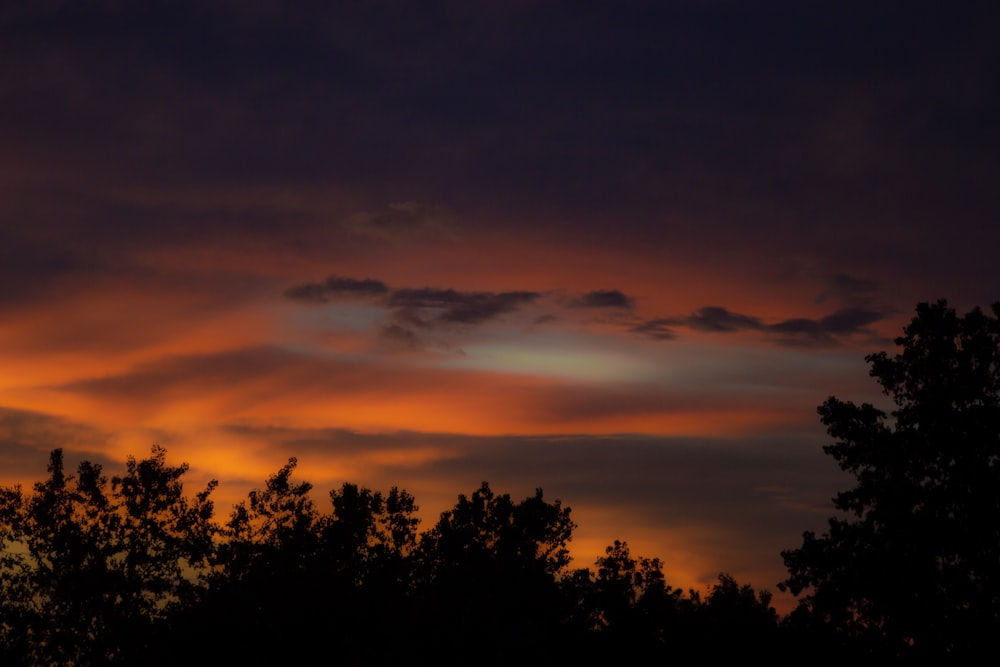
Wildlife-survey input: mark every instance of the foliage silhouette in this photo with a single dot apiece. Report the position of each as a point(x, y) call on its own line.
point(743, 616)
point(273, 531)
point(914, 569)
point(371, 536)
point(630, 604)
point(264, 580)
point(368, 542)
point(488, 577)
point(90, 566)
point(130, 571)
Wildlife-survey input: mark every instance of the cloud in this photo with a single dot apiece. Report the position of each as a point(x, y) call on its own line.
point(716, 319)
point(431, 307)
point(657, 329)
point(848, 289)
point(173, 377)
point(711, 319)
point(452, 306)
point(797, 325)
point(402, 220)
point(422, 307)
point(792, 331)
point(26, 436)
point(843, 322)
point(39, 270)
point(393, 336)
point(335, 287)
point(604, 299)
point(847, 321)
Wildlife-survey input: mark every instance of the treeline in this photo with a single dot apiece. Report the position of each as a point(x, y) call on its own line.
point(130, 570)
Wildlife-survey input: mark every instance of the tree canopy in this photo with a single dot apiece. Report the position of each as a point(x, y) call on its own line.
point(912, 567)
point(129, 570)
point(89, 565)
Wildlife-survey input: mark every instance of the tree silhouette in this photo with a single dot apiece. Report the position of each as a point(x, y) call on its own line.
point(489, 577)
point(631, 604)
point(370, 536)
point(740, 615)
point(265, 582)
point(90, 566)
point(128, 570)
point(273, 532)
point(916, 571)
point(366, 566)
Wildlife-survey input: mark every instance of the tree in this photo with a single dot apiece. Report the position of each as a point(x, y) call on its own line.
point(274, 532)
point(366, 556)
point(264, 584)
point(912, 568)
point(369, 537)
point(90, 567)
point(486, 533)
point(632, 605)
point(628, 588)
point(489, 579)
point(740, 615)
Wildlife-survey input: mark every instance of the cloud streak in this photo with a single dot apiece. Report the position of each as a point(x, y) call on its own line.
point(422, 306)
point(429, 307)
point(604, 299)
point(453, 307)
point(825, 330)
point(337, 287)
point(402, 221)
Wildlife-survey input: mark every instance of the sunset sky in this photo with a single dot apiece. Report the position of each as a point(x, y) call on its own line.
point(616, 250)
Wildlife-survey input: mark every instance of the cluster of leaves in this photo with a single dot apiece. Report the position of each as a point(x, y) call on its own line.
point(130, 571)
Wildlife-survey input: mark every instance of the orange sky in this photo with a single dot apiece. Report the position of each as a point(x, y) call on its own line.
point(230, 379)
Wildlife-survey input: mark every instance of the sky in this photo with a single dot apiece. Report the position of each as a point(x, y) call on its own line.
point(620, 251)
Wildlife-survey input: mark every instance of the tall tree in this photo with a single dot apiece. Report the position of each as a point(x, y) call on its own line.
point(913, 565)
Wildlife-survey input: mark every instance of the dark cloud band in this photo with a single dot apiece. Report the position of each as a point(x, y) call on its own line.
point(604, 299)
point(797, 330)
point(423, 306)
point(335, 287)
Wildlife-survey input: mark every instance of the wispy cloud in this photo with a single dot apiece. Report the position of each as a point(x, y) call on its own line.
point(604, 299)
point(26, 436)
point(659, 329)
point(396, 337)
point(424, 306)
point(716, 319)
point(454, 307)
point(336, 287)
point(792, 331)
point(403, 220)
point(847, 289)
point(412, 310)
